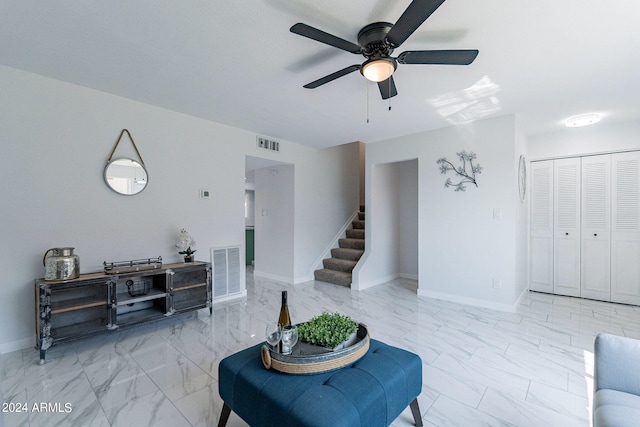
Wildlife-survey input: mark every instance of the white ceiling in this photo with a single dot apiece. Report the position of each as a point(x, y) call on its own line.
point(236, 62)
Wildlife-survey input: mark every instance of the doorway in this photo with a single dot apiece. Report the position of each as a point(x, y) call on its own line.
point(269, 213)
point(392, 225)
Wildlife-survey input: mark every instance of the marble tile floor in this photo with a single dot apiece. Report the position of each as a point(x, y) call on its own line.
point(481, 367)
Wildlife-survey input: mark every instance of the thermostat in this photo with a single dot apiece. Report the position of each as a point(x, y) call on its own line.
point(204, 194)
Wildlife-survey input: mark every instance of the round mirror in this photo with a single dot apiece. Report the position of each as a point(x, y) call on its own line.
point(125, 176)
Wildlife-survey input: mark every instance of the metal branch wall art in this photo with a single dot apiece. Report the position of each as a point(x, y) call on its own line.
point(465, 176)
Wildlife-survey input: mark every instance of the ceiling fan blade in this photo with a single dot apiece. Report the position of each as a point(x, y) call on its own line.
point(326, 38)
point(417, 12)
point(387, 88)
point(332, 76)
point(445, 57)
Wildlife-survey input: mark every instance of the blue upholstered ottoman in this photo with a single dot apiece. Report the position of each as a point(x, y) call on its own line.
point(371, 392)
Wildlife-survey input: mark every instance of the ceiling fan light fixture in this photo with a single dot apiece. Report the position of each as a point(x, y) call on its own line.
point(582, 120)
point(378, 69)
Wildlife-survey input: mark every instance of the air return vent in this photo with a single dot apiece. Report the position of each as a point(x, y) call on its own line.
point(267, 144)
point(226, 270)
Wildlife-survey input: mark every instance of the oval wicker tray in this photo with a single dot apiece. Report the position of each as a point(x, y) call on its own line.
point(312, 359)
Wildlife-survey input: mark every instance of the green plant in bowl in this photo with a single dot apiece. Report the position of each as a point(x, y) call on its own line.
point(327, 330)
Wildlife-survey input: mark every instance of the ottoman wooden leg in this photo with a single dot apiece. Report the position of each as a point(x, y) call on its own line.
point(415, 410)
point(226, 411)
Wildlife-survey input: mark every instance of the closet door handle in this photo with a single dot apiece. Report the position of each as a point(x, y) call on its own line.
point(595, 234)
point(566, 234)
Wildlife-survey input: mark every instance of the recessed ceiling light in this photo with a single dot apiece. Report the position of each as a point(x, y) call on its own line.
point(582, 120)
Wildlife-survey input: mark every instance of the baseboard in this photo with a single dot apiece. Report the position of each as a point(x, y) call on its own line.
point(227, 298)
point(408, 276)
point(371, 284)
point(380, 281)
point(288, 280)
point(303, 279)
point(10, 347)
point(524, 292)
point(476, 302)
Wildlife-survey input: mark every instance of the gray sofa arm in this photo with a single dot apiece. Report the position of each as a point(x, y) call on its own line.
point(617, 364)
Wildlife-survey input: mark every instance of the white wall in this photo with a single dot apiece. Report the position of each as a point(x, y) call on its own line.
point(250, 208)
point(56, 138)
point(379, 263)
point(462, 248)
point(274, 222)
point(599, 138)
point(521, 213)
point(408, 219)
point(326, 196)
point(362, 155)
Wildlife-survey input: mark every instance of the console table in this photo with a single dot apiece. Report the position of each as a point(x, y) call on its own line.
point(99, 302)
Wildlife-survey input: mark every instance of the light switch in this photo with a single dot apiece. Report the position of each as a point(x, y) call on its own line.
point(265, 212)
point(497, 213)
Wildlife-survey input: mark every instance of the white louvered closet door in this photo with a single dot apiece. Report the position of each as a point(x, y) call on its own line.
point(541, 205)
point(566, 233)
point(596, 232)
point(625, 229)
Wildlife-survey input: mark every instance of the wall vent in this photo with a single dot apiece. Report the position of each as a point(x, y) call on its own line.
point(267, 144)
point(226, 270)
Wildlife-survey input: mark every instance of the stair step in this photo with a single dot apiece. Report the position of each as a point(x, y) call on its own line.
point(355, 233)
point(347, 253)
point(361, 215)
point(361, 208)
point(351, 243)
point(332, 276)
point(339, 264)
point(358, 223)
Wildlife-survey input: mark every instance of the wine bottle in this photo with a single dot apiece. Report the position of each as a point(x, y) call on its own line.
point(284, 319)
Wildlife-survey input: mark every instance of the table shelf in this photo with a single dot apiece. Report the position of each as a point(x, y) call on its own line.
point(125, 298)
point(76, 304)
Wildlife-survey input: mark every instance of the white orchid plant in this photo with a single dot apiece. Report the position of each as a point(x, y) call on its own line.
point(185, 243)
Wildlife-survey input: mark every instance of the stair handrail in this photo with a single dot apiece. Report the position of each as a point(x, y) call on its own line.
point(334, 243)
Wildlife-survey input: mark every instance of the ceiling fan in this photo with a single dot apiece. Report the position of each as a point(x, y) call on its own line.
point(376, 43)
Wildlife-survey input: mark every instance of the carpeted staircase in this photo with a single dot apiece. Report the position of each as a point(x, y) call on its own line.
point(344, 258)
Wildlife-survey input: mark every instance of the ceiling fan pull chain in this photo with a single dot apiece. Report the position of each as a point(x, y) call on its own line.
point(389, 80)
point(367, 85)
